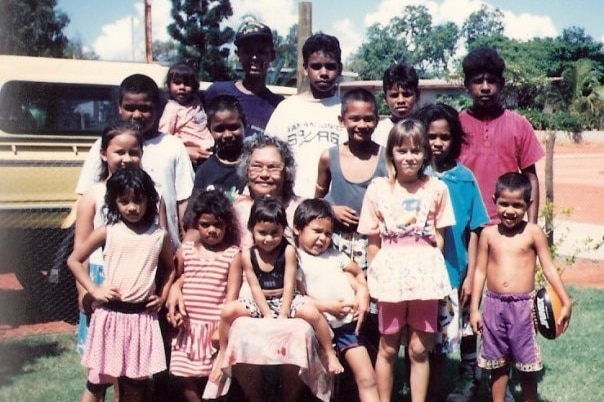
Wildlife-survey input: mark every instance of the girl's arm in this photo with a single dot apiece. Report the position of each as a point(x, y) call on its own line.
point(84, 226)
point(254, 285)
point(76, 262)
point(323, 176)
point(166, 273)
point(439, 238)
point(234, 278)
point(374, 243)
point(175, 303)
point(480, 276)
point(551, 274)
point(289, 281)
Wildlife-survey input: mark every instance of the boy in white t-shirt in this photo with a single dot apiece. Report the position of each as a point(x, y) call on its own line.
point(165, 158)
point(308, 122)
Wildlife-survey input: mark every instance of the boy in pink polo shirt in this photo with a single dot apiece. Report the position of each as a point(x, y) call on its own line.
point(498, 140)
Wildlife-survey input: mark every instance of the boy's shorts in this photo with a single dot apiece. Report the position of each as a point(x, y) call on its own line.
point(508, 332)
point(274, 304)
point(453, 323)
point(417, 314)
point(345, 338)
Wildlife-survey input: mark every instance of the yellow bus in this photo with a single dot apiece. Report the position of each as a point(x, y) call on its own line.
point(51, 112)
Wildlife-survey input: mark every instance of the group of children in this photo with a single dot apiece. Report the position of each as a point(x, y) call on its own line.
point(392, 244)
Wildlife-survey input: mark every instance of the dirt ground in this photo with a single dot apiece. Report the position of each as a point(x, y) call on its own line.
point(578, 186)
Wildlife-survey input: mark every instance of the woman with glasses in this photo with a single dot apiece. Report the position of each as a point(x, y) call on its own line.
point(268, 165)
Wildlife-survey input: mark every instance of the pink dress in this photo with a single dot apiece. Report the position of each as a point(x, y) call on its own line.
point(121, 344)
point(187, 122)
point(204, 292)
point(408, 266)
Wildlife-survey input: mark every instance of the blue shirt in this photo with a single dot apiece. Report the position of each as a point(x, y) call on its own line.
point(257, 108)
point(470, 214)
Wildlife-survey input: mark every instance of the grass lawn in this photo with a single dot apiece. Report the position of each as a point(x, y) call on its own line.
point(47, 368)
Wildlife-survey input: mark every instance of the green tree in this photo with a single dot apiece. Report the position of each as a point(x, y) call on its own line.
point(574, 44)
point(582, 92)
point(165, 51)
point(32, 28)
point(283, 69)
point(197, 30)
point(481, 23)
point(411, 38)
point(379, 51)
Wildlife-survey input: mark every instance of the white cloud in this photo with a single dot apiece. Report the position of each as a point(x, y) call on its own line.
point(115, 41)
point(118, 38)
point(349, 35)
point(523, 26)
point(526, 26)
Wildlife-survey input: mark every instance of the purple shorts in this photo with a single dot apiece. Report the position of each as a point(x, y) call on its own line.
point(508, 332)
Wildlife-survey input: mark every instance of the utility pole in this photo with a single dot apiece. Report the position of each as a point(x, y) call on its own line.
point(148, 39)
point(304, 32)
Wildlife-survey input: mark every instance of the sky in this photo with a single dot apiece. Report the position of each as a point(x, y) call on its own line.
point(114, 29)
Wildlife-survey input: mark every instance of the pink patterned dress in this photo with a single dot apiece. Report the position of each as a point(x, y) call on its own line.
point(204, 292)
point(408, 266)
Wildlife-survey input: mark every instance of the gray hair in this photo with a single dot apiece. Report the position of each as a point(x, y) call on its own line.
point(289, 171)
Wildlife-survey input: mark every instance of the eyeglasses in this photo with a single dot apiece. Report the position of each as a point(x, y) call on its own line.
point(443, 137)
point(140, 108)
point(328, 66)
point(270, 168)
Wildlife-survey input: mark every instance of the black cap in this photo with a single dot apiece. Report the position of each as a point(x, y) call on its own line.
point(253, 29)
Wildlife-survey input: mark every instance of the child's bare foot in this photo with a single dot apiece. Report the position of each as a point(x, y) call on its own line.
point(333, 363)
point(216, 372)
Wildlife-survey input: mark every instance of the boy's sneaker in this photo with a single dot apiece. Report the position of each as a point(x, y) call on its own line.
point(467, 387)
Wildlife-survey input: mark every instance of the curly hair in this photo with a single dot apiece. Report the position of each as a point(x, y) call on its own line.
point(213, 202)
point(482, 60)
point(289, 170)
